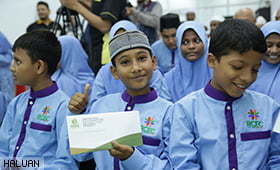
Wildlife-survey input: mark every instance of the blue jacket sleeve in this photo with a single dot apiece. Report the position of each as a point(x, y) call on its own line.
point(6, 130)
point(3, 106)
point(183, 152)
point(274, 152)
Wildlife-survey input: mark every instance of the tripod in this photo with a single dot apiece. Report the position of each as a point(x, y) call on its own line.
point(71, 22)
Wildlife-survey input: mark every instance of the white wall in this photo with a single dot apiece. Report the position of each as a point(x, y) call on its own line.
point(16, 15)
point(206, 9)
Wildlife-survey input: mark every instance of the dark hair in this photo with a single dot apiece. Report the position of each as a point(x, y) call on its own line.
point(43, 3)
point(41, 45)
point(169, 20)
point(236, 35)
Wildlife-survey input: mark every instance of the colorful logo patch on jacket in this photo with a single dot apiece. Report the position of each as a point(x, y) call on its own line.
point(147, 127)
point(44, 116)
point(254, 119)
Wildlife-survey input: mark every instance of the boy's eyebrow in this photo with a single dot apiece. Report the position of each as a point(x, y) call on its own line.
point(16, 58)
point(122, 56)
point(141, 52)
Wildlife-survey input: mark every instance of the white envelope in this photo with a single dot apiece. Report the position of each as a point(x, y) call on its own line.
point(93, 132)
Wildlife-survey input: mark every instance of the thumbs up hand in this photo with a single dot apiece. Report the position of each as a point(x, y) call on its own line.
point(79, 101)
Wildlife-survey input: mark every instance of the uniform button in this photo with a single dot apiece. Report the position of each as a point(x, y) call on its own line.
point(17, 148)
point(128, 108)
point(31, 102)
point(231, 136)
point(233, 168)
point(25, 122)
point(228, 107)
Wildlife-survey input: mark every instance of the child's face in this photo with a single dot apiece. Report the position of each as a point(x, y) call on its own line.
point(22, 68)
point(134, 68)
point(273, 49)
point(235, 72)
point(191, 46)
point(169, 37)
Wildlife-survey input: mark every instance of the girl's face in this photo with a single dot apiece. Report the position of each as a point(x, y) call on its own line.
point(273, 49)
point(192, 46)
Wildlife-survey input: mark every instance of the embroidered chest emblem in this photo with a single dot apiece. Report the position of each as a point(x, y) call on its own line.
point(148, 125)
point(254, 119)
point(44, 116)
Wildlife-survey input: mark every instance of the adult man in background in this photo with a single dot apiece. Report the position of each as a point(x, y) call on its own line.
point(101, 15)
point(277, 17)
point(245, 14)
point(190, 15)
point(146, 16)
point(44, 22)
point(214, 22)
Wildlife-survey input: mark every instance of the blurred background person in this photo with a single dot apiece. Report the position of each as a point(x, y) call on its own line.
point(260, 21)
point(146, 16)
point(214, 22)
point(44, 22)
point(245, 14)
point(165, 48)
point(277, 17)
point(101, 15)
point(190, 15)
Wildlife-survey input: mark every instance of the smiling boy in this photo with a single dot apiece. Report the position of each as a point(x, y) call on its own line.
point(33, 121)
point(224, 119)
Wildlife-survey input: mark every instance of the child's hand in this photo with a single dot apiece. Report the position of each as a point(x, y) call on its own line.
point(120, 151)
point(79, 101)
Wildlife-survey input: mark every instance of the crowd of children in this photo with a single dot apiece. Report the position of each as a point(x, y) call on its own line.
point(213, 105)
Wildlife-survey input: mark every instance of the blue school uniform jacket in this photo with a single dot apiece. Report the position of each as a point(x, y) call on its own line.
point(212, 130)
point(3, 106)
point(32, 126)
point(155, 124)
point(166, 58)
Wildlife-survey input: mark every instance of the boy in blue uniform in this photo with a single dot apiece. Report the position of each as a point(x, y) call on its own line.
point(224, 118)
point(33, 121)
point(133, 64)
point(105, 83)
point(165, 49)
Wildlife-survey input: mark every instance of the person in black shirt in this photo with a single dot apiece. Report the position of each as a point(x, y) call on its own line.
point(44, 22)
point(101, 15)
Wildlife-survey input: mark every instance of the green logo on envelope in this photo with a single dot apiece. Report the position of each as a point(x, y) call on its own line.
point(74, 123)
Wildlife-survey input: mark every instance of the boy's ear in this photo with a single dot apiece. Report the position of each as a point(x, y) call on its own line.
point(211, 60)
point(40, 66)
point(114, 72)
point(154, 61)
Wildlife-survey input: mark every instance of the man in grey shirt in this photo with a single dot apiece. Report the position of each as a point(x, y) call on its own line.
point(146, 16)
